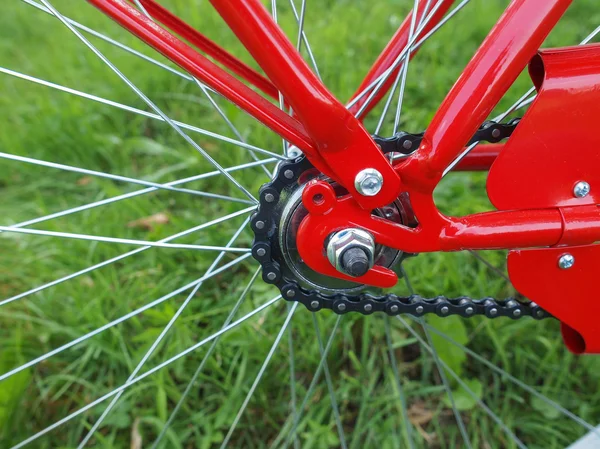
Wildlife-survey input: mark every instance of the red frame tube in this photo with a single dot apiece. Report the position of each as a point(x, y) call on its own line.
point(339, 146)
point(198, 40)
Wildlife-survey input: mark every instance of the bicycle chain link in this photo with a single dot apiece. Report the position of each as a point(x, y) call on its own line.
point(264, 224)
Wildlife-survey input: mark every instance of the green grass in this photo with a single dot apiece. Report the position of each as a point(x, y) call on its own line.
point(42, 123)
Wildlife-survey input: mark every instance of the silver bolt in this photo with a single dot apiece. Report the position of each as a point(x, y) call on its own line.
point(314, 304)
point(289, 174)
point(540, 313)
point(494, 312)
point(269, 197)
point(341, 307)
point(581, 189)
point(419, 310)
point(496, 133)
point(469, 310)
point(260, 225)
point(444, 310)
point(407, 145)
point(260, 252)
point(517, 312)
point(290, 293)
point(368, 182)
point(271, 276)
point(566, 261)
point(368, 307)
point(394, 308)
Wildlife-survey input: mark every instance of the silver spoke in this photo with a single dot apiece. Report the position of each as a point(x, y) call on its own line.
point(98, 238)
point(209, 352)
point(401, 395)
point(438, 363)
point(378, 82)
point(149, 102)
point(120, 319)
point(313, 384)
point(300, 20)
point(162, 335)
point(260, 374)
point(293, 404)
point(119, 258)
point(29, 160)
point(519, 383)
point(145, 375)
point(330, 389)
point(137, 111)
point(133, 194)
point(114, 42)
point(470, 392)
point(404, 69)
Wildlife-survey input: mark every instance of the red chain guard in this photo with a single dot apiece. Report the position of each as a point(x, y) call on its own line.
point(570, 295)
point(556, 144)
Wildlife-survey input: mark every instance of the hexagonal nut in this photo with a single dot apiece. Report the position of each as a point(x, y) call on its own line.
point(344, 240)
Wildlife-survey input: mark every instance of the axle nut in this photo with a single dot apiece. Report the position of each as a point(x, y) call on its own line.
point(351, 251)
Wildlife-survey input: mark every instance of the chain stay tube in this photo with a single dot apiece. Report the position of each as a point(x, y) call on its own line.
point(344, 147)
point(208, 72)
point(204, 44)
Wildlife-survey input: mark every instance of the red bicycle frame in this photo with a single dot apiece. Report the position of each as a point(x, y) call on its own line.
point(337, 144)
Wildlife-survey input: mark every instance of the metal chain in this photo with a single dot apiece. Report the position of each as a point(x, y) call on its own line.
point(264, 223)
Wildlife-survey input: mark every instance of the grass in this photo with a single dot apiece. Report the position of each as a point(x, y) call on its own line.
point(46, 124)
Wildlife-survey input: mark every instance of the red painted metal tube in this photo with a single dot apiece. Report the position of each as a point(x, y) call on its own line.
point(391, 52)
point(503, 55)
point(207, 46)
point(344, 145)
point(205, 70)
point(480, 158)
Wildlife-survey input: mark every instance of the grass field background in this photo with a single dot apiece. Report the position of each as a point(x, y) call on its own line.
point(43, 123)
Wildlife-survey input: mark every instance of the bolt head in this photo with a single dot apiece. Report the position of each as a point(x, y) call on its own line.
point(394, 308)
point(269, 197)
point(314, 304)
point(469, 310)
point(445, 310)
point(289, 174)
point(566, 261)
point(271, 276)
point(517, 312)
point(419, 309)
point(259, 224)
point(581, 189)
point(350, 239)
point(407, 145)
point(368, 307)
point(368, 182)
point(290, 293)
point(341, 307)
point(494, 312)
point(260, 252)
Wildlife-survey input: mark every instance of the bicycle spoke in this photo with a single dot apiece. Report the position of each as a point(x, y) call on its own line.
point(114, 42)
point(29, 160)
point(401, 394)
point(120, 257)
point(404, 69)
point(125, 196)
point(489, 264)
point(380, 80)
point(138, 112)
point(146, 374)
point(300, 21)
point(162, 335)
point(209, 352)
point(470, 392)
point(513, 379)
point(99, 238)
point(293, 404)
point(313, 383)
point(334, 405)
point(260, 374)
point(149, 102)
point(438, 363)
point(120, 319)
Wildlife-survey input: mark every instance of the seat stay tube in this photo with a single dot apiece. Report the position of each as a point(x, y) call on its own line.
point(503, 55)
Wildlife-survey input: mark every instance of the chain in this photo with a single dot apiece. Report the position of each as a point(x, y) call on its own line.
point(265, 249)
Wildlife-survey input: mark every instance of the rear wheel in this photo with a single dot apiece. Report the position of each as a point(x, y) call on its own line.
point(132, 310)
